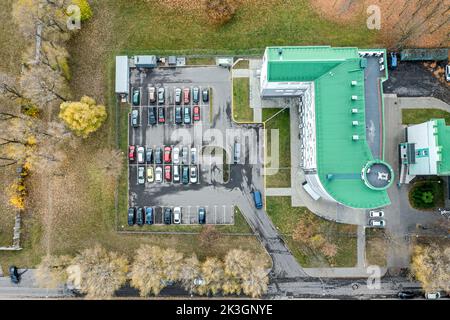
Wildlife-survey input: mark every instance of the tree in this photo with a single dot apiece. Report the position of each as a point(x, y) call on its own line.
point(84, 117)
point(220, 11)
point(329, 249)
point(52, 271)
point(208, 236)
point(430, 265)
point(212, 276)
point(189, 273)
point(102, 272)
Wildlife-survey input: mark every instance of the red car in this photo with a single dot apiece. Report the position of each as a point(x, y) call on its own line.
point(186, 94)
point(131, 153)
point(196, 113)
point(167, 154)
point(168, 173)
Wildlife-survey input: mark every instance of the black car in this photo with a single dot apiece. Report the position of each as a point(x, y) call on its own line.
point(201, 215)
point(148, 215)
point(406, 294)
point(149, 155)
point(14, 274)
point(205, 95)
point(167, 216)
point(152, 115)
point(185, 175)
point(140, 217)
point(161, 116)
point(158, 155)
point(195, 95)
point(187, 115)
point(131, 216)
point(178, 115)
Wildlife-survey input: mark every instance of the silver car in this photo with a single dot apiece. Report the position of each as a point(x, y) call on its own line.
point(140, 155)
point(141, 175)
point(176, 155)
point(177, 96)
point(193, 174)
point(159, 174)
point(185, 155)
point(161, 98)
point(177, 215)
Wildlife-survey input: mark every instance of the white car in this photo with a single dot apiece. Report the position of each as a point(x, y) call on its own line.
point(158, 174)
point(376, 214)
point(447, 73)
point(193, 174)
point(193, 155)
point(176, 173)
point(377, 223)
point(176, 155)
point(432, 295)
point(177, 215)
point(140, 155)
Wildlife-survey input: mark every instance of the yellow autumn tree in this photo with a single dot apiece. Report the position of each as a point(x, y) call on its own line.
point(83, 117)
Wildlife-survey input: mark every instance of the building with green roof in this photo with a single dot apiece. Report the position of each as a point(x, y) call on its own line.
point(336, 111)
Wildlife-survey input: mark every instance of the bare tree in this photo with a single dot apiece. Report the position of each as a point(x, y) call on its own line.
point(212, 275)
point(189, 273)
point(51, 272)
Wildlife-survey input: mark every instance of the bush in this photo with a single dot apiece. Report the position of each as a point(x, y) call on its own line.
point(220, 11)
point(426, 194)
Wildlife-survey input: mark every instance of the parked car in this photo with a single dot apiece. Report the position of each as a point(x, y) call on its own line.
point(161, 97)
point(177, 215)
point(141, 178)
point(167, 154)
point(167, 215)
point(176, 155)
point(201, 215)
point(158, 174)
point(131, 216)
point(131, 153)
point(185, 155)
point(148, 215)
point(150, 176)
point(237, 152)
point(14, 274)
point(185, 175)
point(158, 155)
point(258, 199)
point(187, 115)
point(193, 175)
point(149, 155)
point(377, 223)
point(186, 95)
point(205, 95)
point(193, 155)
point(152, 115)
point(376, 213)
point(447, 73)
point(432, 295)
point(140, 154)
point(195, 94)
point(392, 60)
point(161, 115)
point(152, 94)
point(136, 97)
point(177, 95)
point(178, 115)
point(135, 118)
point(168, 173)
point(196, 112)
point(140, 216)
point(406, 294)
point(176, 173)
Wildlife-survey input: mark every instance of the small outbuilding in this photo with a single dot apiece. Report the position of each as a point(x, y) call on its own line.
point(122, 75)
point(145, 61)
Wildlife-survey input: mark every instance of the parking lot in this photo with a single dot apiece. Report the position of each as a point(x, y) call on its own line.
point(180, 130)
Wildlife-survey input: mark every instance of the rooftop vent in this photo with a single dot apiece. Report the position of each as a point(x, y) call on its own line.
point(354, 97)
point(355, 137)
point(354, 83)
point(355, 123)
point(354, 110)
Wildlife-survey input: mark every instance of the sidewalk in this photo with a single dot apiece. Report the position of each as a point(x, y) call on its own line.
point(341, 272)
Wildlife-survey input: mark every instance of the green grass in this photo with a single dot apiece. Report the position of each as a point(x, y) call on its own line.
point(200, 61)
point(376, 247)
point(281, 122)
point(415, 116)
point(243, 64)
point(241, 100)
point(343, 236)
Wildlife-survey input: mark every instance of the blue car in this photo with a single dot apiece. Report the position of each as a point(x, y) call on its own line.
point(148, 215)
point(258, 199)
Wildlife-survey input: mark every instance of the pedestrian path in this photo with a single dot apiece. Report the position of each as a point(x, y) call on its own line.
point(356, 272)
point(278, 192)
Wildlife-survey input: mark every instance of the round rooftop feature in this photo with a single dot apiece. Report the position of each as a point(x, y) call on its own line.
point(377, 175)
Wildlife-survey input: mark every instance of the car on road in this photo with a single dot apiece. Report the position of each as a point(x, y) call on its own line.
point(193, 155)
point(205, 95)
point(136, 97)
point(131, 153)
point(176, 155)
point(150, 175)
point(140, 154)
point(141, 179)
point(152, 94)
point(140, 216)
point(432, 295)
point(376, 213)
point(131, 216)
point(148, 215)
point(167, 215)
point(161, 97)
point(186, 95)
point(135, 118)
point(185, 175)
point(195, 94)
point(377, 223)
point(176, 173)
point(237, 152)
point(257, 198)
point(193, 174)
point(406, 295)
point(168, 173)
point(201, 215)
point(185, 155)
point(14, 274)
point(177, 96)
point(152, 115)
point(177, 215)
point(158, 155)
point(196, 112)
point(158, 174)
point(167, 154)
point(178, 115)
point(161, 115)
point(187, 115)
point(149, 155)
point(447, 73)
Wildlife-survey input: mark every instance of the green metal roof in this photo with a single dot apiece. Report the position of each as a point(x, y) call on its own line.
point(443, 141)
point(340, 159)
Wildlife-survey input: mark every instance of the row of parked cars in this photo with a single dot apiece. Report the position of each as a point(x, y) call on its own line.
point(159, 96)
point(376, 218)
point(146, 215)
point(166, 154)
point(176, 173)
point(183, 115)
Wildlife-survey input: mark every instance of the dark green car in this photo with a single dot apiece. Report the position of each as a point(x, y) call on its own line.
point(136, 97)
point(185, 175)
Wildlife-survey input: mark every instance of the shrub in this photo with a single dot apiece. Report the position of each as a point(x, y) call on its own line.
point(220, 11)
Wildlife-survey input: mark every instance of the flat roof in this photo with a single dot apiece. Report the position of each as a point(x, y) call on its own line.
point(122, 74)
point(443, 142)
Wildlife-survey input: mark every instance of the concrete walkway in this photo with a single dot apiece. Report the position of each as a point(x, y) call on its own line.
point(278, 192)
point(361, 247)
point(241, 73)
point(340, 272)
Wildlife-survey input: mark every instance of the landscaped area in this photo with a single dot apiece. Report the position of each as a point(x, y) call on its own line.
point(427, 194)
point(415, 116)
point(278, 119)
point(315, 242)
point(241, 100)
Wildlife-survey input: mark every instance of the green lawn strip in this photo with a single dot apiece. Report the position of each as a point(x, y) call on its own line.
point(200, 61)
point(242, 64)
point(343, 236)
point(376, 245)
point(241, 100)
point(415, 116)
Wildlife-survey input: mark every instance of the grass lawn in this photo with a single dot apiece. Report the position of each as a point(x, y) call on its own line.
point(241, 100)
point(200, 61)
point(343, 236)
point(414, 116)
point(243, 64)
point(376, 247)
point(281, 176)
